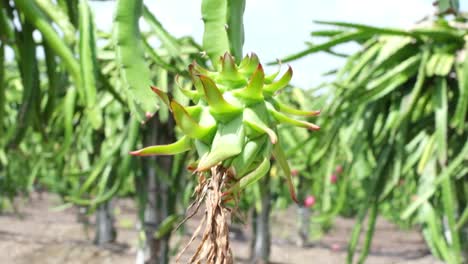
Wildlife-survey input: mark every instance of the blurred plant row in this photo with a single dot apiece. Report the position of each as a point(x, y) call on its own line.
point(393, 138)
point(66, 94)
point(397, 121)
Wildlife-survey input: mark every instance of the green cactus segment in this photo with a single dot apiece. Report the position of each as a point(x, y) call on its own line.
point(131, 59)
point(235, 30)
point(88, 63)
point(182, 145)
point(234, 121)
point(215, 37)
point(280, 84)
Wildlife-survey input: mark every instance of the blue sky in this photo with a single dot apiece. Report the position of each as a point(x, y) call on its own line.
point(276, 28)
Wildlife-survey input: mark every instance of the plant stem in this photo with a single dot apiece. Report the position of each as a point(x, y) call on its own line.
point(262, 246)
point(105, 229)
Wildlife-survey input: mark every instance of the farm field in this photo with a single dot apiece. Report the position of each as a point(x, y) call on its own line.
point(40, 236)
point(286, 131)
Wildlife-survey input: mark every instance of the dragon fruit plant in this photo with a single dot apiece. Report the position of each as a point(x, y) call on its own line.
point(233, 128)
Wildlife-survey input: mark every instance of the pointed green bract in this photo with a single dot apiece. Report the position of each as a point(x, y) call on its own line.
point(194, 111)
point(282, 118)
point(215, 98)
point(254, 89)
point(252, 120)
point(188, 125)
point(182, 145)
point(280, 84)
point(228, 66)
point(249, 64)
point(164, 97)
point(252, 177)
point(281, 158)
point(189, 93)
point(289, 110)
point(229, 76)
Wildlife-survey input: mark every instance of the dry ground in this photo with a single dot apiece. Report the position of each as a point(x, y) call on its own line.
point(39, 236)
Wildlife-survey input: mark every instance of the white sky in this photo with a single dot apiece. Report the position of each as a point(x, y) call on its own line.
point(276, 28)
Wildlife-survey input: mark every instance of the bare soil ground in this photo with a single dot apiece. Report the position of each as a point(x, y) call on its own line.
point(39, 235)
